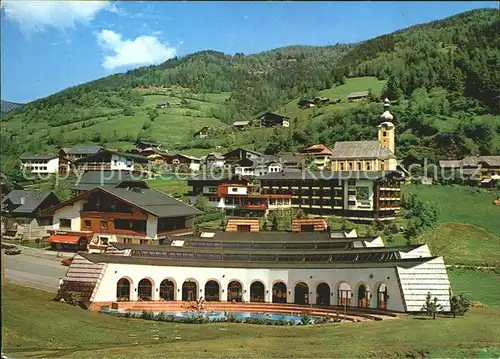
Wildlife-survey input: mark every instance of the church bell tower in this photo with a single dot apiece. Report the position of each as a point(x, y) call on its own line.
point(386, 130)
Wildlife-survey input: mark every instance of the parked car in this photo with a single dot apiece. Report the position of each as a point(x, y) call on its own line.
point(13, 251)
point(67, 261)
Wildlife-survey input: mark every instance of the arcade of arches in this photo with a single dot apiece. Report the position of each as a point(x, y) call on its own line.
point(235, 291)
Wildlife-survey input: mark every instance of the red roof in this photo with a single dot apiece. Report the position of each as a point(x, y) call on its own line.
point(315, 149)
point(59, 238)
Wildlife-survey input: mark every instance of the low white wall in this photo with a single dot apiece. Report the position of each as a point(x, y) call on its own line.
point(312, 277)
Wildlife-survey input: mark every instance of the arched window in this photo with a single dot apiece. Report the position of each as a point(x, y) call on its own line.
point(145, 290)
point(301, 293)
point(257, 292)
point(123, 290)
point(363, 296)
point(323, 294)
point(212, 291)
point(279, 292)
point(344, 294)
point(382, 296)
point(167, 290)
point(189, 291)
point(234, 292)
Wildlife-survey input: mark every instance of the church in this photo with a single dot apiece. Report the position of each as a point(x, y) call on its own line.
point(368, 155)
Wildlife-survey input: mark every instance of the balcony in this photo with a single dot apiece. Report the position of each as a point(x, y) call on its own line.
point(254, 206)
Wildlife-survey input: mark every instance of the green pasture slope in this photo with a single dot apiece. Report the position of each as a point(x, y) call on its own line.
point(37, 327)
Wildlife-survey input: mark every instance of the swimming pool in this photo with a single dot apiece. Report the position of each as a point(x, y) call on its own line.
point(215, 316)
point(240, 315)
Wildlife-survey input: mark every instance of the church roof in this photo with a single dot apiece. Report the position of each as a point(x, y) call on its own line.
point(361, 149)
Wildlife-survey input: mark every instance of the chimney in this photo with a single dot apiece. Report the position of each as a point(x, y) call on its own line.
point(23, 200)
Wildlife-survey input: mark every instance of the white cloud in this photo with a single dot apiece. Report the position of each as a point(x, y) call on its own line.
point(144, 50)
point(37, 15)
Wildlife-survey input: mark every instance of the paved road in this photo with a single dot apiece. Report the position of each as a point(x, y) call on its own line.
point(33, 269)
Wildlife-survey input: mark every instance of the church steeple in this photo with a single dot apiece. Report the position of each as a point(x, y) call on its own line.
point(387, 116)
point(386, 130)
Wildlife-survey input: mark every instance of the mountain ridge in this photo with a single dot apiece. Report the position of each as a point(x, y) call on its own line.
point(443, 83)
point(6, 106)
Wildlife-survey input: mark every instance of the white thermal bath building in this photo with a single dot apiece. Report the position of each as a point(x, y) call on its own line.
point(315, 268)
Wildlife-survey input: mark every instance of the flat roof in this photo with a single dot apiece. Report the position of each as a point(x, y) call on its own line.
point(280, 251)
point(117, 259)
point(272, 236)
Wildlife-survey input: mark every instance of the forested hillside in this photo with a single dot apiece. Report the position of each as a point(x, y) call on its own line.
point(443, 78)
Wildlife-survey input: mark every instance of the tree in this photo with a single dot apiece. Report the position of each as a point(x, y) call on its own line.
point(263, 224)
point(274, 222)
point(431, 306)
point(459, 305)
point(203, 205)
point(127, 111)
point(153, 113)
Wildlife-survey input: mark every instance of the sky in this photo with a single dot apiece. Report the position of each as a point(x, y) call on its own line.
point(47, 46)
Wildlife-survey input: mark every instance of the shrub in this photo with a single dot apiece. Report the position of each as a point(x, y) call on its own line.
point(305, 319)
point(148, 315)
point(459, 305)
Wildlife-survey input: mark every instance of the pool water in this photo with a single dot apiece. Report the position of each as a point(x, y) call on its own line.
point(222, 315)
point(240, 315)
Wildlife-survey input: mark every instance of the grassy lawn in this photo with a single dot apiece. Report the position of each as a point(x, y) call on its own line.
point(461, 204)
point(466, 244)
point(477, 285)
point(174, 187)
point(35, 326)
point(339, 92)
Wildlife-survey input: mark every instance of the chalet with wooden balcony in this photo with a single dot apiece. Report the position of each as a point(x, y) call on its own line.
point(236, 194)
point(183, 163)
point(358, 196)
point(22, 213)
point(270, 119)
point(483, 169)
point(321, 154)
point(78, 152)
point(129, 212)
point(112, 160)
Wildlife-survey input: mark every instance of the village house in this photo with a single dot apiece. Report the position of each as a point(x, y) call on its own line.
point(78, 152)
point(22, 213)
point(306, 104)
point(236, 194)
point(163, 104)
point(42, 165)
point(321, 154)
point(251, 163)
point(129, 212)
point(183, 163)
point(358, 96)
point(143, 145)
point(368, 155)
point(202, 133)
point(270, 119)
point(112, 160)
point(241, 125)
point(213, 159)
point(482, 169)
point(155, 155)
